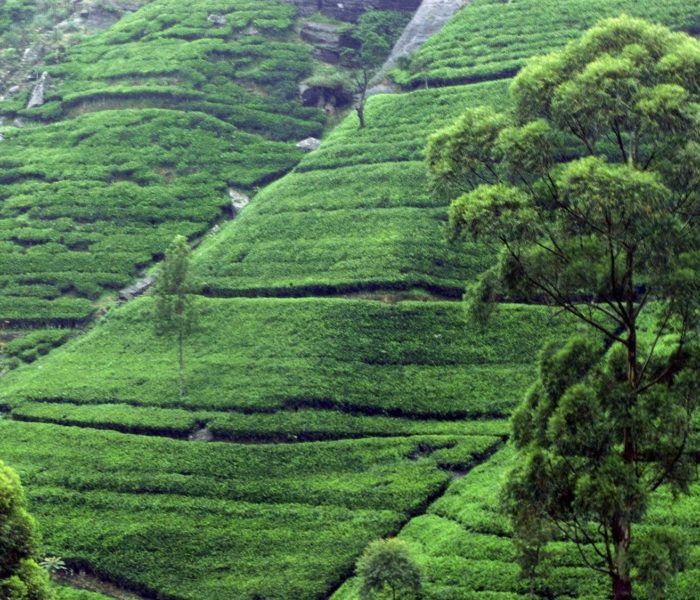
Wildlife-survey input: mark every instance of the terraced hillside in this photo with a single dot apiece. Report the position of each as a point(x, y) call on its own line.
point(344, 394)
point(143, 131)
point(492, 39)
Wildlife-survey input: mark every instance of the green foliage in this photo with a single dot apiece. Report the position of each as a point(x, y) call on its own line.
point(409, 359)
point(597, 236)
point(305, 511)
point(20, 576)
point(145, 128)
point(174, 313)
point(491, 39)
point(31, 346)
point(465, 548)
point(372, 48)
point(388, 564)
point(361, 235)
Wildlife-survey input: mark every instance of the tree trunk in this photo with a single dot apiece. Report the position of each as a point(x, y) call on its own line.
point(360, 108)
point(181, 348)
point(622, 588)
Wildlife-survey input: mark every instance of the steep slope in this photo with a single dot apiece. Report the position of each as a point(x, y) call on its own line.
point(143, 130)
point(427, 21)
point(33, 32)
point(492, 39)
point(353, 212)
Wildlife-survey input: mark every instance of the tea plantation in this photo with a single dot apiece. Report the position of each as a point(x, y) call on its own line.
point(143, 131)
point(336, 390)
point(352, 211)
point(492, 39)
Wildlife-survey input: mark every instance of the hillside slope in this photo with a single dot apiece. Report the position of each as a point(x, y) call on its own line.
point(332, 420)
point(143, 130)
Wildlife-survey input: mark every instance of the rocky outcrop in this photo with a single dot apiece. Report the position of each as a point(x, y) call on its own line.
point(329, 97)
point(309, 144)
point(238, 201)
point(351, 10)
point(326, 38)
point(428, 20)
point(80, 18)
point(37, 96)
point(137, 289)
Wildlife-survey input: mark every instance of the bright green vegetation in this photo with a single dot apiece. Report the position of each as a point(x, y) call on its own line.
point(28, 348)
point(352, 212)
point(67, 593)
point(149, 125)
point(274, 520)
point(463, 545)
point(409, 359)
point(277, 520)
point(492, 39)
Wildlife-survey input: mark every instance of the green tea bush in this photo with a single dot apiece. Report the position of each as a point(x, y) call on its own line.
point(492, 39)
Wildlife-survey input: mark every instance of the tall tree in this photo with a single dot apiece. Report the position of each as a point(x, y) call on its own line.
point(21, 578)
point(590, 191)
point(373, 34)
point(174, 313)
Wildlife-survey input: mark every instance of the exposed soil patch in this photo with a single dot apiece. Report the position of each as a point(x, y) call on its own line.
point(90, 583)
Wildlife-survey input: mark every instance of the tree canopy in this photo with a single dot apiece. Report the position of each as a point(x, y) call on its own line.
point(21, 578)
point(387, 564)
point(174, 312)
point(590, 190)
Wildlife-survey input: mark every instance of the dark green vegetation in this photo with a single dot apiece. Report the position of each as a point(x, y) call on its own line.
point(219, 512)
point(492, 39)
point(145, 128)
point(325, 370)
point(463, 545)
point(605, 426)
point(21, 578)
point(410, 359)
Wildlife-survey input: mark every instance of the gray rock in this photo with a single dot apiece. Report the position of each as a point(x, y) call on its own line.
point(202, 435)
point(137, 289)
point(18, 123)
point(309, 144)
point(37, 95)
point(217, 20)
point(14, 89)
point(351, 10)
point(238, 201)
point(321, 33)
point(30, 55)
point(426, 22)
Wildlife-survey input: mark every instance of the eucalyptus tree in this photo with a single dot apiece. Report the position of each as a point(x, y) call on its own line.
point(590, 189)
point(174, 313)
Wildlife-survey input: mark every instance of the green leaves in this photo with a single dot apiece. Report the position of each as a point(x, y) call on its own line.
point(388, 564)
point(460, 157)
point(20, 576)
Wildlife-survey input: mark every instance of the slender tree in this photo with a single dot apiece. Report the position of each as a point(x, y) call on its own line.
point(21, 578)
point(174, 313)
point(371, 35)
point(589, 190)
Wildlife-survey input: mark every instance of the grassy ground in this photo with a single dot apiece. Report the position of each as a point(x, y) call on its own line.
point(346, 418)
